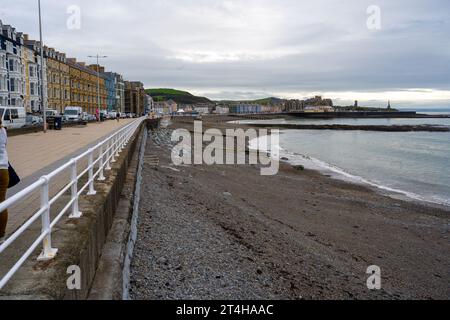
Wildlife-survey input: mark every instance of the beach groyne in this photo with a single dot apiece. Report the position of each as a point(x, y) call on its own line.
point(359, 114)
point(395, 128)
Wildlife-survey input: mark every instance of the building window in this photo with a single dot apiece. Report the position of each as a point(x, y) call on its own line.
point(12, 84)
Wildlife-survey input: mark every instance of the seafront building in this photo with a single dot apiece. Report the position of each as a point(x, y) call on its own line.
point(58, 80)
point(66, 81)
point(134, 97)
point(115, 87)
point(149, 104)
point(110, 87)
point(84, 81)
point(33, 65)
point(12, 69)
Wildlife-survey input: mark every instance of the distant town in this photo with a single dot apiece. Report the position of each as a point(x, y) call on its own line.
point(77, 90)
point(316, 104)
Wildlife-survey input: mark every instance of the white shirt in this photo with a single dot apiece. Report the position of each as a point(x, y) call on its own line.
point(3, 152)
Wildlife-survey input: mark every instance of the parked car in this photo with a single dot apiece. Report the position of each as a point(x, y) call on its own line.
point(112, 115)
point(13, 117)
point(32, 120)
point(73, 113)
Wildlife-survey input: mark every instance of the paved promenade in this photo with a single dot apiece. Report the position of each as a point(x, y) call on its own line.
point(34, 155)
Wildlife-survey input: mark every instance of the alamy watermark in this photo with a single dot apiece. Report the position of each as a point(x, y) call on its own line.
point(74, 19)
point(374, 280)
point(74, 280)
point(229, 149)
point(374, 19)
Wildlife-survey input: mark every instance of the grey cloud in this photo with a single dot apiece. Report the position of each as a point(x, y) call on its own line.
point(282, 46)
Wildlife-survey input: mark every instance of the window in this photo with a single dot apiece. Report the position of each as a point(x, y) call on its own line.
point(14, 114)
point(7, 115)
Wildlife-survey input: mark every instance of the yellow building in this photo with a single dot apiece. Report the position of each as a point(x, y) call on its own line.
point(83, 86)
point(58, 80)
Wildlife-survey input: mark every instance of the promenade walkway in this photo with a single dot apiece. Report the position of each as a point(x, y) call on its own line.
point(35, 155)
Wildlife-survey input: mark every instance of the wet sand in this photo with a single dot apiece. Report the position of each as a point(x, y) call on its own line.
point(226, 232)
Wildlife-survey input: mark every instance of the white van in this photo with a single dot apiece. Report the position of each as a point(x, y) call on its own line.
point(13, 117)
point(73, 113)
point(50, 113)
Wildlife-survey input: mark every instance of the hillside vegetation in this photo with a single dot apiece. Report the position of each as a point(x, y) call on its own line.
point(180, 97)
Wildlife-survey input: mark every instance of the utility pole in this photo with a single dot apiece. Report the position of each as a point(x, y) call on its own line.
point(98, 78)
point(43, 106)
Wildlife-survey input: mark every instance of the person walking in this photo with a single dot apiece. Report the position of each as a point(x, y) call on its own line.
point(118, 116)
point(4, 179)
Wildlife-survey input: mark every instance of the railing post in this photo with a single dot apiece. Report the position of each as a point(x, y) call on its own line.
point(113, 146)
point(101, 176)
point(118, 144)
point(92, 191)
point(108, 152)
point(48, 252)
point(76, 214)
point(122, 135)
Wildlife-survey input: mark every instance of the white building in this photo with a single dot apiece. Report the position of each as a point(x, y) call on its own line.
point(12, 69)
point(202, 110)
point(222, 110)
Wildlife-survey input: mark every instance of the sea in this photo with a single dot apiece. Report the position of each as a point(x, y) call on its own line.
point(415, 165)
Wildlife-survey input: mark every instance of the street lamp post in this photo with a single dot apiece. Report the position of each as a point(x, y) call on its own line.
point(98, 78)
point(43, 106)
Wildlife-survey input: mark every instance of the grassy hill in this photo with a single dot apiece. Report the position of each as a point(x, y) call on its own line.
point(180, 97)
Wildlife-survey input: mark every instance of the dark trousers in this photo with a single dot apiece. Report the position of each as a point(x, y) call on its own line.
point(4, 182)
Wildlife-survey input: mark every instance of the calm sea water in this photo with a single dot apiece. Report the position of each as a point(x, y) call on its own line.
point(414, 164)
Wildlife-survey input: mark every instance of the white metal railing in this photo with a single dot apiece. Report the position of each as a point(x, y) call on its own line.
point(99, 159)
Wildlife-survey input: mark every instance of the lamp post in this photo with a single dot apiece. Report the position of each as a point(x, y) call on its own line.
point(43, 106)
point(98, 78)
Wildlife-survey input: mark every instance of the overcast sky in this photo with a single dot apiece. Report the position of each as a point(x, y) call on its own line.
point(227, 49)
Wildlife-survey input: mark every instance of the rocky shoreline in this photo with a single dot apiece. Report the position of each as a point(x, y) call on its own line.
point(225, 232)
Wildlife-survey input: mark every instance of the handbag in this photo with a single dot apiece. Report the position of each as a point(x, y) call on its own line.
point(13, 177)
